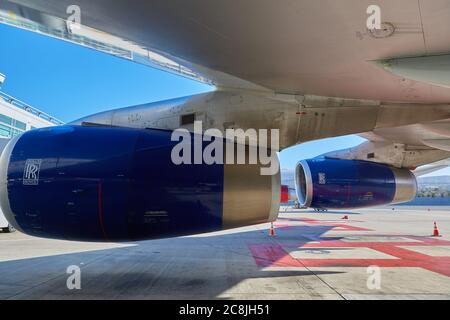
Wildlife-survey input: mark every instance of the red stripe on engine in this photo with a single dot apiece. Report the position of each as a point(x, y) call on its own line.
point(100, 209)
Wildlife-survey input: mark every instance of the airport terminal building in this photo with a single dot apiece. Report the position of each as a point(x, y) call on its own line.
point(17, 117)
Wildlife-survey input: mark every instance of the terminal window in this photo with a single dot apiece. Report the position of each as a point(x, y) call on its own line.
point(10, 127)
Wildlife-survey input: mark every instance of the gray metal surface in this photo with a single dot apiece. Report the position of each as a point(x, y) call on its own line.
point(315, 47)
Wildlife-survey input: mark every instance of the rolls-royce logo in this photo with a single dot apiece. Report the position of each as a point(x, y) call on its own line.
point(31, 172)
point(322, 178)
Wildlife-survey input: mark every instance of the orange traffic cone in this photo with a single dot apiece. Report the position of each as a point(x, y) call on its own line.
point(436, 231)
point(271, 230)
point(345, 217)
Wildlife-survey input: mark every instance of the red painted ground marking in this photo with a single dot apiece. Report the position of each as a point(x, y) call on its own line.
point(344, 227)
point(339, 226)
point(269, 255)
point(314, 221)
point(274, 255)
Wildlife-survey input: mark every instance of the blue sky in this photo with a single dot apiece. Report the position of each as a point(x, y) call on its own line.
point(69, 82)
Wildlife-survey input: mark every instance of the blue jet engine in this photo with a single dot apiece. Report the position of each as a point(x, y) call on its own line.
point(111, 184)
point(324, 183)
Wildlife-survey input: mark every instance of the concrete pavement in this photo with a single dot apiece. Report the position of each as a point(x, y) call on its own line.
point(312, 256)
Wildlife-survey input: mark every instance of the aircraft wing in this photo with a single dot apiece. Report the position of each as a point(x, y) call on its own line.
point(411, 146)
point(432, 167)
point(294, 47)
point(291, 46)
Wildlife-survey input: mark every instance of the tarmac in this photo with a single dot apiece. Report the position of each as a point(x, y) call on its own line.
point(379, 253)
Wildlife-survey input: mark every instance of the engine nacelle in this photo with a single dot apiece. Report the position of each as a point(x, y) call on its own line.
point(345, 184)
point(94, 183)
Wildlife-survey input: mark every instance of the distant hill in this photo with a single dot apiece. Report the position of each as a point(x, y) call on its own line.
point(434, 180)
point(438, 186)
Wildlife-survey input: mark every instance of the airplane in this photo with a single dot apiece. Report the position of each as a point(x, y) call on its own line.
point(310, 69)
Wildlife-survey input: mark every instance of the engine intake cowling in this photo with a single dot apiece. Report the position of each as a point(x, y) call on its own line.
point(346, 184)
